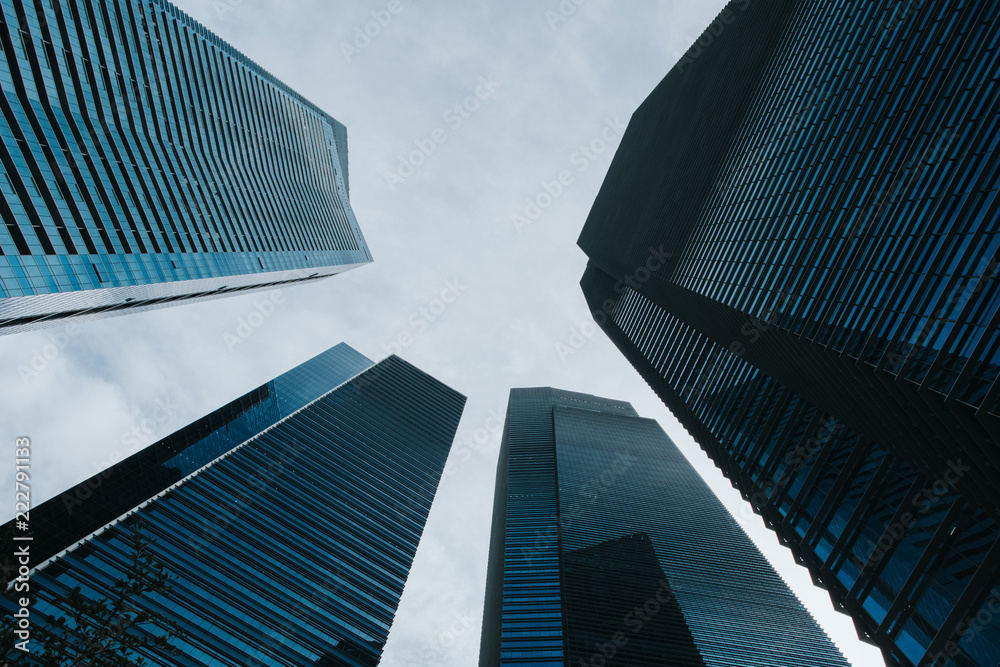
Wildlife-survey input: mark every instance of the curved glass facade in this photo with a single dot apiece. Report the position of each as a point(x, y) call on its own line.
point(146, 162)
point(608, 548)
point(291, 544)
point(818, 191)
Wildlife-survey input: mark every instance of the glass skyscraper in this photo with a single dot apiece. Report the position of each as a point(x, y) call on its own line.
point(797, 247)
point(289, 517)
point(608, 548)
point(147, 162)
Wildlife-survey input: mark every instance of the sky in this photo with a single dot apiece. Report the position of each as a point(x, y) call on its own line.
point(460, 118)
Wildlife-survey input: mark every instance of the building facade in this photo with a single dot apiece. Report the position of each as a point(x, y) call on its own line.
point(608, 548)
point(289, 518)
point(147, 162)
point(796, 245)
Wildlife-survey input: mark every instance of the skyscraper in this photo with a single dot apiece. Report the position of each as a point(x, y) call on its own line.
point(289, 517)
point(146, 162)
point(796, 246)
point(608, 548)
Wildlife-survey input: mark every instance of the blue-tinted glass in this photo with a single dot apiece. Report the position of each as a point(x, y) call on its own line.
point(145, 161)
point(796, 246)
point(293, 546)
point(613, 549)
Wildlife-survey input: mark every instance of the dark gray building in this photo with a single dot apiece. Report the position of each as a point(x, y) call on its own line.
point(797, 247)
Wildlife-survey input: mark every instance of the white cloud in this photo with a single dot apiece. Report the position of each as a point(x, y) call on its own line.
point(450, 219)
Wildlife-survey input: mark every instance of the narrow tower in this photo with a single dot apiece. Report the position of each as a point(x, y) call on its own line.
point(608, 548)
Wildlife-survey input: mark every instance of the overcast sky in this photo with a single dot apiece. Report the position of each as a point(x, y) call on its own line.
point(551, 82)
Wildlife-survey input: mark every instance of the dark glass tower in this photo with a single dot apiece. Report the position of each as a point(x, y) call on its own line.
point(797, 247)
point(147, 162)
point(608, 548)
point(289, 517)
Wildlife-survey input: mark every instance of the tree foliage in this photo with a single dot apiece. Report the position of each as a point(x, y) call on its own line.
point(107, 631)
